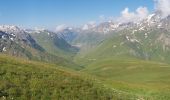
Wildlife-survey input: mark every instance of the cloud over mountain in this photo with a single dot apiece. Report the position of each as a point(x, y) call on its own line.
point(89, 25)
point(163, 6)
point(139, 14)
point(61, 27)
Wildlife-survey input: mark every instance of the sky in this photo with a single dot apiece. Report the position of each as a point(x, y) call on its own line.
point(50, 13)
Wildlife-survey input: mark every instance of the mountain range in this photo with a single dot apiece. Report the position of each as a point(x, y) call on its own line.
point(130, 58)
point(148, 39)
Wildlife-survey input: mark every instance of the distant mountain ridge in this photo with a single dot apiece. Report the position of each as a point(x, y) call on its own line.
point(139, 39)
point(148, 39)
point(20, 43)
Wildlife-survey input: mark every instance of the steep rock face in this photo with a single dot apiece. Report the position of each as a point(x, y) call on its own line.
point(17, 42)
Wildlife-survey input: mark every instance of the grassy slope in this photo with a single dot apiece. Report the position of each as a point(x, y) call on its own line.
point(116, 62)
point(149, 79)
point(153, 48)
point(25, 80)
point(48, 44)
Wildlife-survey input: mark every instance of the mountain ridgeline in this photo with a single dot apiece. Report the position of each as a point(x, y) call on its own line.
point(148, 39)
point(21, 43)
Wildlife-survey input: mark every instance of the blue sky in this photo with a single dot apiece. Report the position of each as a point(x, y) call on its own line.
point(50, 13)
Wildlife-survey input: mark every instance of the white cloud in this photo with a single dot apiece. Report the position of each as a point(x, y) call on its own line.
point(89, 25)
point(163, 6)
point(127, 16)
point(85, 27)
point(61, 27)
point(92, 23)
point(139, 14)
point(142, 12)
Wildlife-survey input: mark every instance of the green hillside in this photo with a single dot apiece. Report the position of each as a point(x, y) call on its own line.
point(26, 80)
point(129, 65)
point(135, 44)
point(132, 61)
point(138, 77)
point(54, 45)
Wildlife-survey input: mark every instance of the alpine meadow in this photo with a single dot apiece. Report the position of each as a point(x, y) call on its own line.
point(85, 50)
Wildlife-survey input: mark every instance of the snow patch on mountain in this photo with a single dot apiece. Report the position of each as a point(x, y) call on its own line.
point(4, 49)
